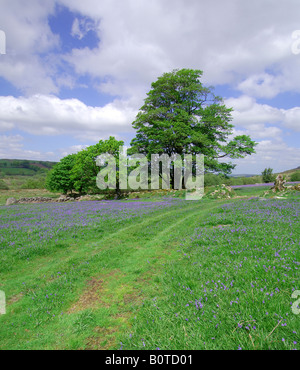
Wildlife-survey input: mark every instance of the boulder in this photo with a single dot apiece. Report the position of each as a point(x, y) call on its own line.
point(221, 192)
point(279, 184)
point(11, 201)
point(63, 198)
point(84, 197)
point(297, 187)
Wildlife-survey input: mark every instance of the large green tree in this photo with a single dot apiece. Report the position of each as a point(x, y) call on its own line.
point(181, 116)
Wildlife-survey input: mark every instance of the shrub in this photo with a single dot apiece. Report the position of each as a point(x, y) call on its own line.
point(3, 186)
point(211, 179)
point(34, 184)
point(267, 175)
point(295, 176)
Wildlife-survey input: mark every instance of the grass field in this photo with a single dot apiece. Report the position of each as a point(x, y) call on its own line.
point(151, 195)
point(167, 274)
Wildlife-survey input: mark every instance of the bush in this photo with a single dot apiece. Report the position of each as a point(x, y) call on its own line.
point(212, 180)
point(235, 181)
point(34, 184)
point(295, 176)
point(3, 186)
point(267, 175)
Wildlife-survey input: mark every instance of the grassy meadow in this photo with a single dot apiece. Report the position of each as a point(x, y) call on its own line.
point(155, 272)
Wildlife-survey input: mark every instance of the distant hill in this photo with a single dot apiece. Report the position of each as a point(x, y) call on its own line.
point(24, 167)
point(291, 171)
point(287, 172)
point(242, 175)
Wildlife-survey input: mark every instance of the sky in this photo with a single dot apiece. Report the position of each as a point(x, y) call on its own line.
point(74, 72)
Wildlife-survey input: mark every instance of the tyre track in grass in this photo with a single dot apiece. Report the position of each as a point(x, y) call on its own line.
point(110, 277)
point(126, 290)
point(145, 223)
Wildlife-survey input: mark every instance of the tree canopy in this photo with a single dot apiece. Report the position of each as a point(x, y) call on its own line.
point(181, 116)
point(59, 178)
point(267, 175)
point(79, 171)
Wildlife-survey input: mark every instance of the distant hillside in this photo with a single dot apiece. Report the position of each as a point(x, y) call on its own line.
point(288, 172)
point(242, 175)
point(24, 167)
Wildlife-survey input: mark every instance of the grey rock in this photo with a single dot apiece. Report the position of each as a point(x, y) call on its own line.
point(11, 201)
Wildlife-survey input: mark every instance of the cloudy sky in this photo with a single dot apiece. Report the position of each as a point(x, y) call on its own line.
point(75, 72)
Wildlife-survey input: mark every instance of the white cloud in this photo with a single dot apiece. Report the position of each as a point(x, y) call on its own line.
point(278, 154)
point(245, 44)
point(73, 149)
point(49, 115)
point(274, 153)
point(12, 147)
point(28, 36)
point(261, 85)
point(81, 27)
point(232, 43)
point(292, 118)
point(255, 117)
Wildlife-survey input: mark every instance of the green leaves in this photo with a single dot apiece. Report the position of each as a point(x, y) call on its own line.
point(239, 147)
point(182, 116)
point(59, 179)
point(268, 175)
point(78, 171)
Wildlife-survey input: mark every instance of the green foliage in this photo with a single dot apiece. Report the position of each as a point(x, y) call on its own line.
point(59, 178)
point(79, 171)
point(13, 167)
point(84, 320)
point(181, 116)
point(211, 179)
point(295, 176)
point(12, 171)
point(34, 184)
point(84, 171)
point(188, 276)
point(267, 175)
point(3, 185)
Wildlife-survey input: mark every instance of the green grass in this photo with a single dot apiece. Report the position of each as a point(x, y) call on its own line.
point(85, 282)
point(231, 286)
point(10, 171)
point(252, 191)
point(25, 193)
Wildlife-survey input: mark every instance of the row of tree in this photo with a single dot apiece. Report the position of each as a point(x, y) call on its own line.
point(269, 176)
point(79, 171)
point(179, 116)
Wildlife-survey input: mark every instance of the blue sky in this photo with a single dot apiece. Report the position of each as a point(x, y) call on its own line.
point(76, 72)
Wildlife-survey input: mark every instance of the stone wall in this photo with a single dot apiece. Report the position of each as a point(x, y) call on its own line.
point(62, 198)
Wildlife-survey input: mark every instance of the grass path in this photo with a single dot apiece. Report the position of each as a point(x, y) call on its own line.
point(194, 277)
point(132, 275)
point(97, 285)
